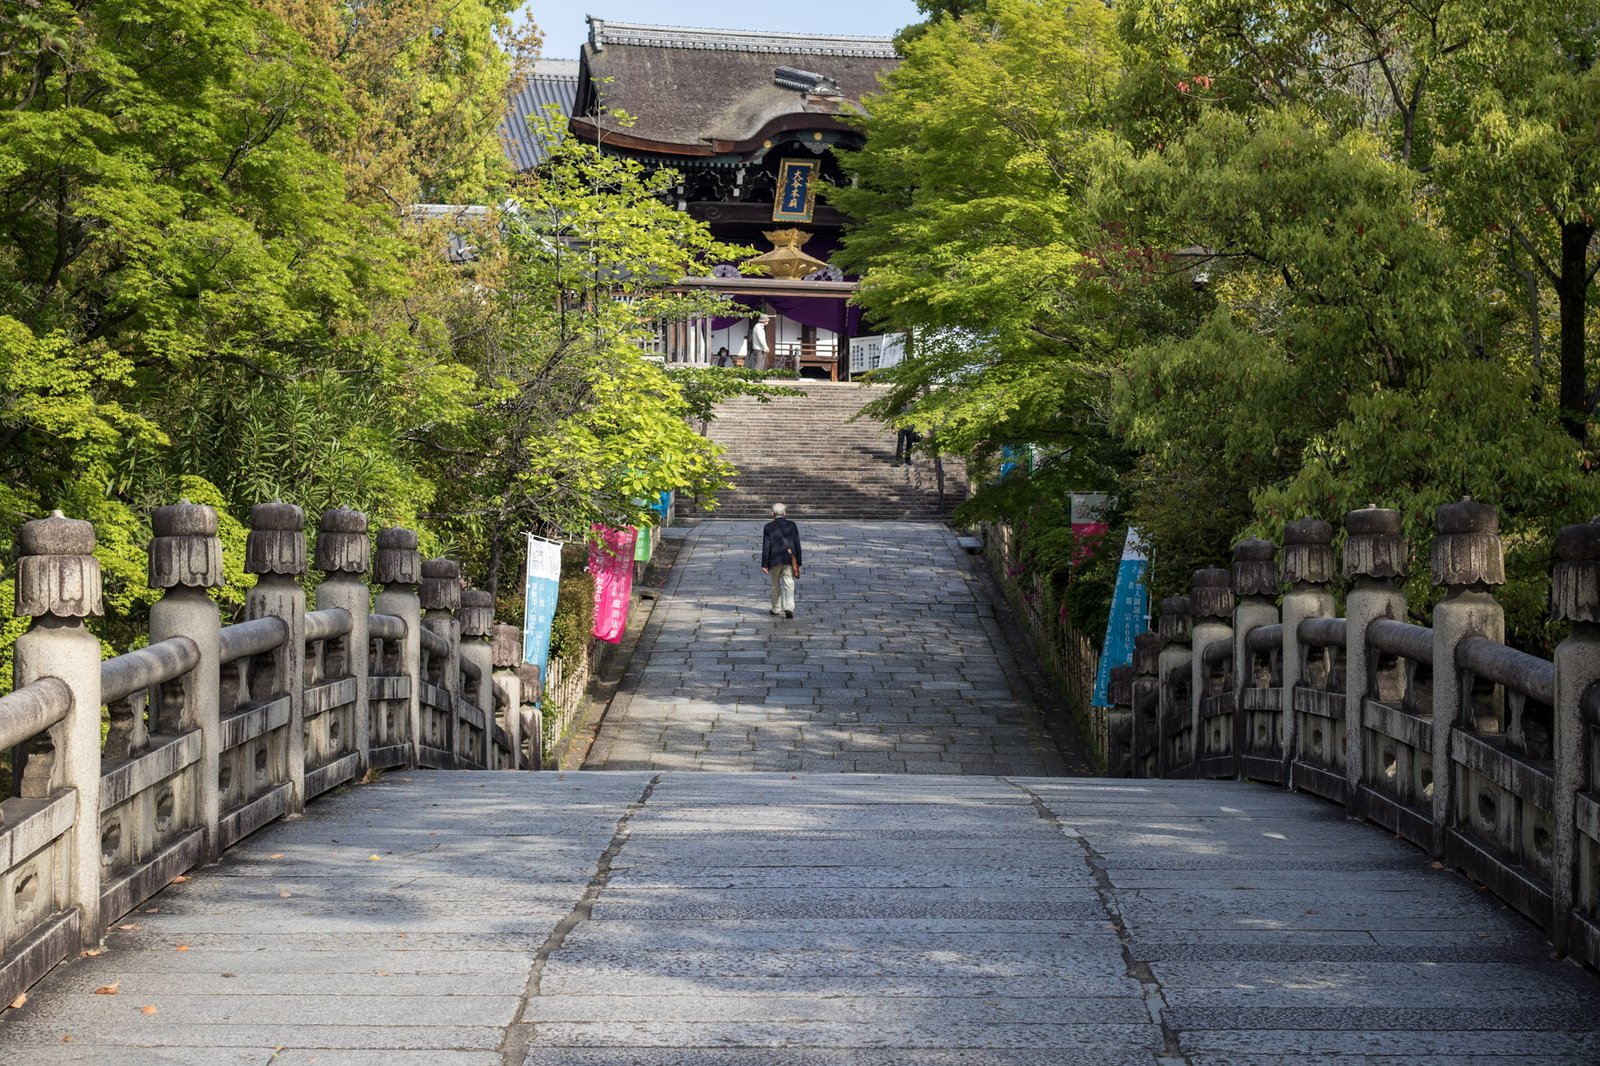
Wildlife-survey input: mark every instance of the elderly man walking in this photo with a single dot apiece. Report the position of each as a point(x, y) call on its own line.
point(780, 559)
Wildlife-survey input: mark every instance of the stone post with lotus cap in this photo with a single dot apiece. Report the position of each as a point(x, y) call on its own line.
point(186, 562)
point(1575, 599)
point(1375, 562)
point(1308, 569)
point(1467, 560)
point(398, 568)
point(275, 552)
point(58, 586)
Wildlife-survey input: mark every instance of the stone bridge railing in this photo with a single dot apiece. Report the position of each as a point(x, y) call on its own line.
point(129, 771)
point(1483, 755)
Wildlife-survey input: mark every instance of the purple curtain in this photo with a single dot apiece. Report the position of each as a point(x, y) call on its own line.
point(822, 312)
point(753, 302)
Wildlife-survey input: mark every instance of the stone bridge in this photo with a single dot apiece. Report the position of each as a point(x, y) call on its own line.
point(303, 838)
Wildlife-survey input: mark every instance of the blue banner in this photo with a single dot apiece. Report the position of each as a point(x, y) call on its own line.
point(1130, 615)
point(662, 506)
point(1011, 458)
point(797, 191)
point(539, 602)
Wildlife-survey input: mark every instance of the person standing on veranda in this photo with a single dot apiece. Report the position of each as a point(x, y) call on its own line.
point(780, 559)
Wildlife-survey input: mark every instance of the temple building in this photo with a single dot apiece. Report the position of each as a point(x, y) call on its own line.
point(753, 123)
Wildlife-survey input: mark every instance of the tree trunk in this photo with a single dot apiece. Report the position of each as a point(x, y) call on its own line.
point(1572, 291)
point(495, 555)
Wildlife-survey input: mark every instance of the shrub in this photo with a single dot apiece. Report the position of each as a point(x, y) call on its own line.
point(574, 620)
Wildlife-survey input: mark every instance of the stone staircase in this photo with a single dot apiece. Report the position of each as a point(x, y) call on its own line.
point(813, 454)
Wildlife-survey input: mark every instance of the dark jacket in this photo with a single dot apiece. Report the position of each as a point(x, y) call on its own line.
point(780, 542)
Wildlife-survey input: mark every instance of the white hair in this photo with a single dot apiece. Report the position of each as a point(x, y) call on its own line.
point(779, 510)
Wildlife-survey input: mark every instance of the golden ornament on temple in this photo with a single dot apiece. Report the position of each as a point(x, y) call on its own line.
point(787, 260)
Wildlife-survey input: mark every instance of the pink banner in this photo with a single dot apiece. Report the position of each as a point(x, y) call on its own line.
point(611, 563)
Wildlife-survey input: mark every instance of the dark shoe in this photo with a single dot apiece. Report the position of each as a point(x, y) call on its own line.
point(788, 614)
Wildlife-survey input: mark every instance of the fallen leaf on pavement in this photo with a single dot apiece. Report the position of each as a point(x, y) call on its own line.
point(149, 1008)
point(108, 990)
point(183, 947)
point(278, 855)
point(129, 927)
point(22, 997)
point(180, 879)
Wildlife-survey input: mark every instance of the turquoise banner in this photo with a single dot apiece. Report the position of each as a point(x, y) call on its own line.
point(1130, 615)
point(539, 601)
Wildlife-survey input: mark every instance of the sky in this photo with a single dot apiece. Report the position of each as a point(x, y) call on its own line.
point(565, 29)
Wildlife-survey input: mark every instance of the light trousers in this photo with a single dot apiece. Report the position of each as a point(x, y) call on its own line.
point(782, 588)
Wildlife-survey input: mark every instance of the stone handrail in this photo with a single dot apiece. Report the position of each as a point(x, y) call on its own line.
point(215, 731)
point(1517, 670)
point(155, 664)
point(244, 639)
point(1474, 751)
point(1322, 632)
point(32, 710)
point(434, 644)
point(325, 625)
point(1402, 639)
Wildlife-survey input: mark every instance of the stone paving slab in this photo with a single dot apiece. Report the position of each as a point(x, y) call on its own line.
point(891, 631)
point(948, 921)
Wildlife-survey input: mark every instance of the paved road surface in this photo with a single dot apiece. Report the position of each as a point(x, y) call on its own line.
point(498, 919)
point(893, 663)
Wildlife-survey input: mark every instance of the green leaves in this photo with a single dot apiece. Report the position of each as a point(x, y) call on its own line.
point(1247, 262)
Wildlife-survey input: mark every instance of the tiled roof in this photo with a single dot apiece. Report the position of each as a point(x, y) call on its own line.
point(553, 82)
point(603, 33)
point(702, 92)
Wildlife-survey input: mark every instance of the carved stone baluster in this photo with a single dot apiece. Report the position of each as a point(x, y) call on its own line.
point(1466, 560)
point(398, 568)
point(477, 619)
point(1375, 561)
point(1119, 722)
point(440, 592)
point(343, 554)
point(275, 551)
point(1308, 568)
point(1174, 626)
point(506, 649)
point(1211, 607)
point(1256, 584)
point(1574, 598)
point(1146, 704)
point(58, 586)
point(185, 561)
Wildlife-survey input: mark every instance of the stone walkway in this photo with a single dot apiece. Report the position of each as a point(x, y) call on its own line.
point(893, 663)
point(631, 919)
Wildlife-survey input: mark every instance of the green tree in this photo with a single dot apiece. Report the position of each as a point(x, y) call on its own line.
point(193, 301)
point(569, 424)
point(1287, 251)
point(975, 228)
